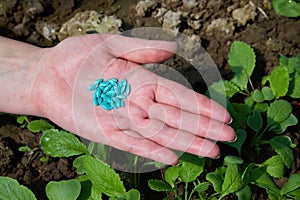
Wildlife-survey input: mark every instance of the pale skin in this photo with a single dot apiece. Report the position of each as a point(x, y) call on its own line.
point(159, 116)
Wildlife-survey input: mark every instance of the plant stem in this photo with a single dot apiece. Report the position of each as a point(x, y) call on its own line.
point(251, 84)
point(186, 191)
point(135, 174)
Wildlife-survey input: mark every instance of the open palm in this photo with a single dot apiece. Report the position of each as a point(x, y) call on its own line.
point(159, 115)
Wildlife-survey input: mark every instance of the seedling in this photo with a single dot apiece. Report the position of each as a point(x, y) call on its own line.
point(287, 8)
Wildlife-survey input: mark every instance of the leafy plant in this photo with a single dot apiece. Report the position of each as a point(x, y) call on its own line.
point(287, 8)
point(189, 169)
point(100, 177)
point(261, 119)
point(11, 189)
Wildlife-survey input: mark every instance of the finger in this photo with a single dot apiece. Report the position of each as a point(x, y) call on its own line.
point(191, 122)
point(123, 140)
point(140, 50)
point(164, 135)
point(175, 94)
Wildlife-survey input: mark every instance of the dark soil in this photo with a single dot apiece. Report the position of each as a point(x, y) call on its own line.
point(269, 37)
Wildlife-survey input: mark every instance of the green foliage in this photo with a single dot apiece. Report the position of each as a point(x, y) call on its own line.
point(61, 144)
point(103, 178)
point(189, 169)
point(241, 66)
point(264, 114)
point(34, 126)
point(11, 189)
point(63, 190)
point(287, 8)
point(282, 145)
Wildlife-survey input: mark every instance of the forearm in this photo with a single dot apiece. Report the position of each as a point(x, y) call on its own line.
point(18, 69)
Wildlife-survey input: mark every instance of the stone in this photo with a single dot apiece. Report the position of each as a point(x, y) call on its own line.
point(245, 14)
point(145, 6)
point(172, 20)
point(221, 24)
point(89, 22)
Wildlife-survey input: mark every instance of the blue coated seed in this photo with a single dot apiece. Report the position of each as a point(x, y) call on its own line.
point(93, 87)
point(105, 83)
point(105, 105)
point(112, 103)
point(100, 100)
point(121, 96)
point(113, 80)
point(95, 101)
point(123, 82)
point(127, 90)
point(110, 93)
point(98, 93)
point(98, 81)
point(118, 90)
point(118, 102)
point(122, 88)
point(107, 88)
point(104, 96)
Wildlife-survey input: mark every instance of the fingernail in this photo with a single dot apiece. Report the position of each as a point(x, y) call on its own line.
point(231, 120)
point(235, 139)
point(217, 157)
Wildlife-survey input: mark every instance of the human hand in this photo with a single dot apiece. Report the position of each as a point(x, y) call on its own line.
point(159, 115)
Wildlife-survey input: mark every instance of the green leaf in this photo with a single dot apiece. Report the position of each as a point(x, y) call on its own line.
point(267, 93)
point(282, 146)
point(279, 81)
point(247, 174)
point(241, 137)
point(233, 181)
point(261, 107)
point(258, 96)
point(191, 167)
point(232, 160)
point(278, 112)
point(263, 180)
point(294, 86)
point(292, 184)
point(171, 174)
point(290, 121)
point(61, 144)
point(63, 190)
point(25, 149)
point(287, 8)
point(216, 180)
point(274, 166)
point(79, 165)
point(255, 121)
point(132, 194)
point(240, 114)
point(96, 193)
point(86, 187)
point(245, 193)
point(22, 119)
point(98, 150)
point(103, 178)
point(242, 63)
point(159, 186)
point(11, 189)
point(295, 194)
point(292, 64)
point(201, 187)
point(39, 125)
point(225, 88)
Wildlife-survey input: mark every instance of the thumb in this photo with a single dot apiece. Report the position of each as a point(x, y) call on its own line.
point(140, 50)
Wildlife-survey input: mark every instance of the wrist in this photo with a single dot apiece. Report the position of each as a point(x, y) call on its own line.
point(19, 67)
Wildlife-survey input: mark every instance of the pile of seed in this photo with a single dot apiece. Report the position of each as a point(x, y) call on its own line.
point(109, 94)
